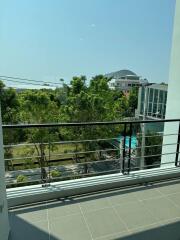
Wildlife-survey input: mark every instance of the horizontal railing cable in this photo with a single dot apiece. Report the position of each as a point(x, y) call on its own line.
point(47, 125)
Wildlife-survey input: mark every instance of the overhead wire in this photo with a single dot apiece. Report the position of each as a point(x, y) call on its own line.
point(28, 83)
point(8, 78)
point(32, 82)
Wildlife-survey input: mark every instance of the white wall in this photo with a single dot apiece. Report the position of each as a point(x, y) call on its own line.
point(4, 223)
point(173, 98)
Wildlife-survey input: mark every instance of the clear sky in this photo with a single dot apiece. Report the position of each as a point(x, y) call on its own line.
point(53, 39)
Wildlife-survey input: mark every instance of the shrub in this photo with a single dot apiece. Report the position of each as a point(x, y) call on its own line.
point(55, 173)
point(21, 179)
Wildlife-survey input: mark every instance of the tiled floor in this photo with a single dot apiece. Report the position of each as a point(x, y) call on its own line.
point(138, 213)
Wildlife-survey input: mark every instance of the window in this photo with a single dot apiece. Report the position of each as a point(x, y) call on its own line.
point(150, 95)
point(156, 96)
point(142, 94)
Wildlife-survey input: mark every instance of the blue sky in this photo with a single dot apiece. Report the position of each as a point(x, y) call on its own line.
point(52, 39)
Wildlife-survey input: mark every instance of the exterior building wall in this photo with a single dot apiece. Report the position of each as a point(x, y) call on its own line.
point(124, 84)
point(4, 223)
point(137, 111)
point(173, 98)
point(155, 103)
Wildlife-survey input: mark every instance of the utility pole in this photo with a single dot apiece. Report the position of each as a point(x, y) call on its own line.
point(4, 222)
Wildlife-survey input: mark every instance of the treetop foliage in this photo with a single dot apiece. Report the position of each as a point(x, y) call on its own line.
point(78, 102)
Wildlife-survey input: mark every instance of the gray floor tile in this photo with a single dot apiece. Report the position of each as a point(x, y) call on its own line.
point(31, 214)
point(22, 230)
point(59, 210)
point(123, 198)
point(117, 236)
point(155, 217)
point(162, 208)
point(166, 231)
point(171, 221)
point(169, 189)
point(175, 198)
point(147, 227)
point(147, 193)
point(69, 228)
point(103, 222)
point(135, 215)
point(95, 204)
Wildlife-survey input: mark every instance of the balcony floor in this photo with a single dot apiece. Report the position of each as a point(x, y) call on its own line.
point(146, 212)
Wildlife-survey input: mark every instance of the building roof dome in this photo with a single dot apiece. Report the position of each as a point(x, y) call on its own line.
point(120, 74)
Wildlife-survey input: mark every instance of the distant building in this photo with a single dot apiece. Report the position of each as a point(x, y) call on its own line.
point(152, 105)
point(124, 80)
point(152, 101)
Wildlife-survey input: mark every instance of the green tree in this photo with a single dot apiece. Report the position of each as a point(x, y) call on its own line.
point(9, 104)
point(93, 103)
point(9, 110)
point(37, 106)
point(21, 179)
point(79, 102)
point(154, 147)
point(152, 150)
point(132, 101)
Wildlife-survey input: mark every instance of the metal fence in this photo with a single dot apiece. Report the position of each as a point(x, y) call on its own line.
point(43, 153)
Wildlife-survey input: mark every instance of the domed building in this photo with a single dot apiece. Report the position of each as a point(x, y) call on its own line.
point(124, 80)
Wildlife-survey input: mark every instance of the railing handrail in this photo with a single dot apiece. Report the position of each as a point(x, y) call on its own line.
point(66, 124)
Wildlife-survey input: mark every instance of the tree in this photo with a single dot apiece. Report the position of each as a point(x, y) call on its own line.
point(37, 107)
point(9, 104)
point(154, 147)
point(133, 100)
point(93, 103)
point(120, 108)
point(79, 102)
point(61, 95)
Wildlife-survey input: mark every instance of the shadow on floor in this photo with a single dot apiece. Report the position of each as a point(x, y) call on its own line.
point(23, 230)
point(169, 231)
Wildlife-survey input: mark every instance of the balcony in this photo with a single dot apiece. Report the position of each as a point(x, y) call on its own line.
point(114, 181)
point(142, 212)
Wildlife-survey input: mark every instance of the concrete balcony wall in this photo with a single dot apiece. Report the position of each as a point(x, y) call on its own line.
point(173, 98)
point(4, 223)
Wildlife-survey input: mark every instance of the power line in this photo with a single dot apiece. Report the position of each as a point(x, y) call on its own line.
point(29, 80)
point(28, 83)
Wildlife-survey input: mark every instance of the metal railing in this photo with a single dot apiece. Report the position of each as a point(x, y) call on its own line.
point(43, 153)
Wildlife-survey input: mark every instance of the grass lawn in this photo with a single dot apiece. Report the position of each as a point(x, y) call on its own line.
point(30, 151)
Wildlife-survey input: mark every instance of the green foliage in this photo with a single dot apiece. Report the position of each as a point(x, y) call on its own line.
point(21, 179)
point(9, 104)
point(55, 173)
point(38, 106)
point(153, 149)
point(133, 100)
point(153, 140)
point(79, 102)
point(75, 103)
point(94, 103)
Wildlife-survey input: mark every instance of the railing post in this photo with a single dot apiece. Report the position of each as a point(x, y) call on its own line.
point(177, 148)
point(124, 149)
point(129, 158)
point(42, 163)
point(49, 157)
